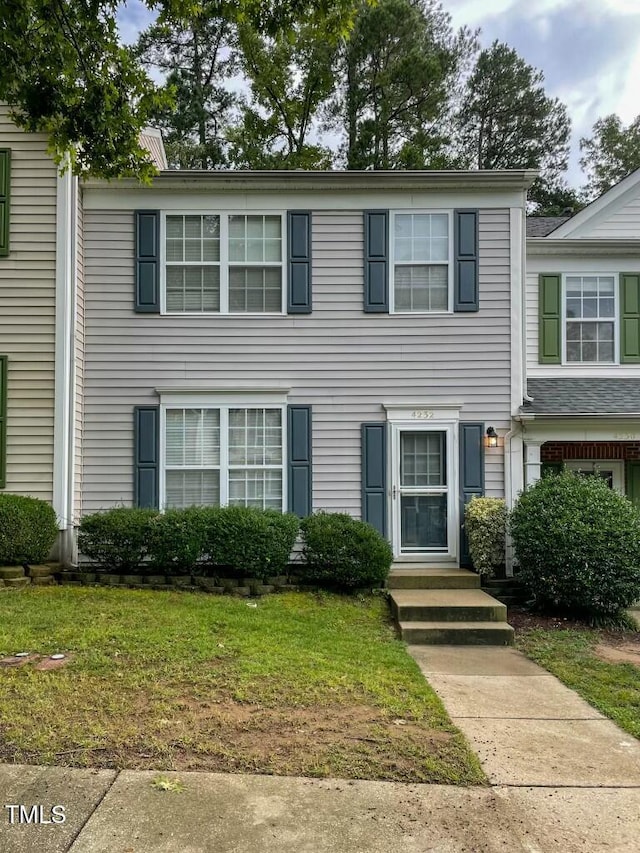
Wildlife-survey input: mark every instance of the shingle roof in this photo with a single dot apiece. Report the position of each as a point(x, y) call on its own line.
point(583, 396)
point(540, 226)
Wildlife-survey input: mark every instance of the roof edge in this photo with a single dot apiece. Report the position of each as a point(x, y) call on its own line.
point(514, 179)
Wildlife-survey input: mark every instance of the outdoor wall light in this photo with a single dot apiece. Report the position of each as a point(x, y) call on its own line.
point(491, 439)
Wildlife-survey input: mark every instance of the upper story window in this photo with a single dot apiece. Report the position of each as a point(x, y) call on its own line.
point(421, 262)
point(223, 263)
point(590, 318)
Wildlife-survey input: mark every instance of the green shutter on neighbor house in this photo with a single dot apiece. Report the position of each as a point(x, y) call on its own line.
point(3, 421)
point(147, 456)
point(299, 262)
point(299, 468)
point(630, 318)
point(374, 475)
point(550, 313)
point(147, 269)
point(465, 252)
point(376, 261)
point(5, 189)
point(633, 483)
point(471, 476)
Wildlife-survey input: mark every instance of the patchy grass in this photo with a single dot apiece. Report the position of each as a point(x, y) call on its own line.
point(596, 664)
point(302, 684)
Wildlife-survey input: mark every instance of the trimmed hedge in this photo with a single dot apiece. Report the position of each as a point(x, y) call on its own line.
point(176, 538)
point(28, 530)
point(578, 546)
point(485, 523)
point(118, 538)
point(235, 541)
point(249, 541)
point(340, 552)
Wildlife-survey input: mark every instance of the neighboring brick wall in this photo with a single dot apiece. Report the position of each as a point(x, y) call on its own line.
point(557, 451)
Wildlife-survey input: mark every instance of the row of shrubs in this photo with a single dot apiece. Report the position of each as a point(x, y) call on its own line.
point(576, 544)
point(336, 550)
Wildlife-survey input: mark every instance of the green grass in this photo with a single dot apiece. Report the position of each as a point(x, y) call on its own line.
point(612, 688)
point(305, 684)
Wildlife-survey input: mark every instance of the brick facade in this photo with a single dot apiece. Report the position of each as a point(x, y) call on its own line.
point(558, 451)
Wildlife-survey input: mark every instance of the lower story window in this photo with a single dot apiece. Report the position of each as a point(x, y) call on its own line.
point(224, 455)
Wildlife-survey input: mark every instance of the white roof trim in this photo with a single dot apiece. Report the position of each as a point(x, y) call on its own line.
point(614, 197)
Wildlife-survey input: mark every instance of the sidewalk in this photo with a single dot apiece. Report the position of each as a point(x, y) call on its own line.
point(564, 780)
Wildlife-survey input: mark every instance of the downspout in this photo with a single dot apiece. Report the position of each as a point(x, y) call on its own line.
point(63, 426)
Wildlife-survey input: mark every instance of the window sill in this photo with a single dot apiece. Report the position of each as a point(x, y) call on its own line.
point(226, 314)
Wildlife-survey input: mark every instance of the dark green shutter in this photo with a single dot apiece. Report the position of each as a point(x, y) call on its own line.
point(550, 312)
point(5, 191)
point(471, 476)
point(147, 271)
point(376, 262)
point(299, 460)
point(465, 255)
point(147, 456)
point(299, 262)
point(630, 318)
point(3, 421)
point(374, 475)
point(633, 483)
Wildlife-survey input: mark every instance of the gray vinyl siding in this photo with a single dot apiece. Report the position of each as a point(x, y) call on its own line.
point(27, 312)
point(79, 362)
point(343, 362)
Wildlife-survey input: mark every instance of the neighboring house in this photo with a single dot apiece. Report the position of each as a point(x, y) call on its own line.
point(40, 418)
point(583, 341)
point(305, 341)
point(41, 326)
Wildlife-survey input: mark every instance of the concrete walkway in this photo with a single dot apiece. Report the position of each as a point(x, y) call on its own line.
point(564, 780)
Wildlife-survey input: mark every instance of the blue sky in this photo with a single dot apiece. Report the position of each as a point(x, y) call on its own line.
point(588, 50)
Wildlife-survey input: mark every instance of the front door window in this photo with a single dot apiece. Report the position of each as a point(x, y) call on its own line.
point(423, 491)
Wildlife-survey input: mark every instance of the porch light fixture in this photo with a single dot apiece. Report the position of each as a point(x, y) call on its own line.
point(491, 439)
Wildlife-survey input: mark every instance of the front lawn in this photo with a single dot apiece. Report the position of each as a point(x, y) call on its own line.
point(603, 667)
point(292, 684)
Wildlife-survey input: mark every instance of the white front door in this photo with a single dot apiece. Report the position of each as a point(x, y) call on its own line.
point(424, 490)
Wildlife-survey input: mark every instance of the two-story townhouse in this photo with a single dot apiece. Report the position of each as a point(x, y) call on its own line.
point(42, 325)
point(305, 341)
point(582, 407)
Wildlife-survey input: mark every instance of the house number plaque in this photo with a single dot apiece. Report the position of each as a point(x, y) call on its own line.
point(422, 414)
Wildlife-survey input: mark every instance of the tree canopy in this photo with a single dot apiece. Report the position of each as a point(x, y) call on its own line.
point(65, 73)
point(612, 153)
point(506, 121)
point(399, 65)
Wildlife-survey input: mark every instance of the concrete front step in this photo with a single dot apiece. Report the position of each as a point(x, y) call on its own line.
point(446, 605)
point(432, 578)
point(457, 633)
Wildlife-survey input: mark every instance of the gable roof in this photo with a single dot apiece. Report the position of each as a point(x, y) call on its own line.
point(610, 396)
point(151, 139)
point(606, 204)
point(540, 226)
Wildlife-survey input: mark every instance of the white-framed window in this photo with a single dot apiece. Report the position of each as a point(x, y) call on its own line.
point(223, 263)
point(223, 454)
point(421, 262)
point(590, 318)
point(611, 471)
